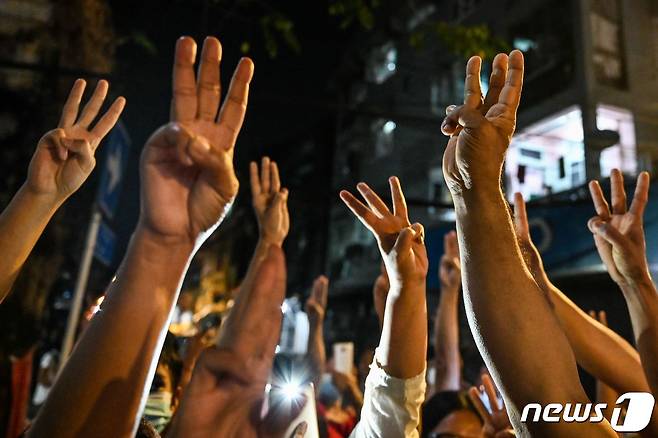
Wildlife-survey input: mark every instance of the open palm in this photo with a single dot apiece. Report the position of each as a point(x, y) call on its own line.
point(407, 258)
point(619, 234)
point(188, 180)
point(65, 156)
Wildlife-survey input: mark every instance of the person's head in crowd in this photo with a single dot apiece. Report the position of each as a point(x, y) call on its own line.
point(450, 413)
point(328, 395)
point(162, 398)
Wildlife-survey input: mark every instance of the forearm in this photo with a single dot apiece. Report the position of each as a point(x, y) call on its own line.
point(642, 301)
point(446, 342)
point(599, 350)
point(316, 353)
point(403, 343)
point(259, 255)
point(100, 390)
point(514, 327)
point(21, 225)
point(607, 395)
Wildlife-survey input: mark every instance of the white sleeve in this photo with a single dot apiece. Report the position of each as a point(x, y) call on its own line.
point(391, 406)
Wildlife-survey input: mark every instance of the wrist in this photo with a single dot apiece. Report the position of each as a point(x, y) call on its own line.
point(42, 202)
point(640, 284)
point(160, 245)
point(476, 199)
point(449, 290)
point(265, 240)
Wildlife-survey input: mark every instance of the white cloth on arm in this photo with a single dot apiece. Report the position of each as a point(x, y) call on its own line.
point(391, 406)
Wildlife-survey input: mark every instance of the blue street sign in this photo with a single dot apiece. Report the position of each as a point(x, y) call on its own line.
point(117, 150)
point(105, 244)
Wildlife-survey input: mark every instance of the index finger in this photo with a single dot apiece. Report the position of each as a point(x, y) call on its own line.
point(72, 104)
point(234, 108)
point(184, 99)
point(107, 122)
point(600, 204)
point(472, 88)
point(362, 212)
point(510, 95)
point(474, 395)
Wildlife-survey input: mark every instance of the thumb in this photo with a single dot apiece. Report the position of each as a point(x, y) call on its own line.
point(470, 118)
point(603, 229)
point(461, 116)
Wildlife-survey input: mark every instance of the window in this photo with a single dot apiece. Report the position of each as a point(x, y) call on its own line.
point(548, 156)
point(623, 154)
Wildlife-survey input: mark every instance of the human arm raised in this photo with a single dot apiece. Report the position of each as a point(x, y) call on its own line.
point(619, 239)
point(446, 323)
point(187, 186)
point(514, 327)
point(62, 162)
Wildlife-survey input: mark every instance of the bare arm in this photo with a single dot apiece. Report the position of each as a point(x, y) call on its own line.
point(62, 162)
point(316, 307)
point(515, 329)
point(599, 350)
point(446, 324)
point(111, 363)
point(187, 186)
point(604, 393)
point(403, 251)
point(619, 238)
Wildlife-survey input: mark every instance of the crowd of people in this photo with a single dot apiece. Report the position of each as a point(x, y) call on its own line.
point(128, 375)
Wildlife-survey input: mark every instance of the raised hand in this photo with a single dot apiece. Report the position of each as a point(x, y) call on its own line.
point(402, 345)
point(188, 179)
point(65, 156)
point(316, 304)
point(496, 421)
point(400, 243)
point(619, 239)
point(450, 267)
point(619, 235)
point(270, 202)
point(481, 129)
point(227, 390)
